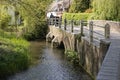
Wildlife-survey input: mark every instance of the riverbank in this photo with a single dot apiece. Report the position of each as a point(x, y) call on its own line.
point(14, 54)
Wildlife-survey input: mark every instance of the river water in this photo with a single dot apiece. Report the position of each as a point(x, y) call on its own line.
point(50, 64)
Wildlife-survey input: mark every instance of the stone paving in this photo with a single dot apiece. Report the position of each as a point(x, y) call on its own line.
point(111, 64)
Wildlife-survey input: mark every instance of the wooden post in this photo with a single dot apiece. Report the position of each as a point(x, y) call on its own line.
point(51, 21)
point(48, 21)
point(81, 27)
point(91, 31)
point(55, 21)
point(59, 22)
point(72, 25)
point(79, 22)
point(65, 23)
point(107, 31)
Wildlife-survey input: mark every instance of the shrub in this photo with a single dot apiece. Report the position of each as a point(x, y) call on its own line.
point(72, 56)
point(76, 16)
point(39, 32)
point(106, 10)
point(11, 61)
point(4, 20)
point(14, 55)
point(79, 5)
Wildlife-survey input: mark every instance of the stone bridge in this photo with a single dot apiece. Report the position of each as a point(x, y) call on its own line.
point(97, 45)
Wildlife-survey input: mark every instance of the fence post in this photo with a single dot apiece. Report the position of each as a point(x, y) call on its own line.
point(59, 22)
point(51, 21)
point(81, 27)
point(107, 31)
point(72, 25)
point(91, 30)
point(65, 23)
point(48, 21)
point(55, 21)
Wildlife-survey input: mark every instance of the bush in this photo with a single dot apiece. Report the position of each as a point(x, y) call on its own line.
point(72, 56)
point(11, 61)
point(106, 10)
point(79, 6)
point(14, 55)
point(76, 16)
point(39, 32)
point(4, 20)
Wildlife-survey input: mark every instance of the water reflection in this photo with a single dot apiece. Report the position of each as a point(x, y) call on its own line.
point(51, 65)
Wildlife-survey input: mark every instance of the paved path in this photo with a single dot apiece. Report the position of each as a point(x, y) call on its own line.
point(111, 64)
point(110, 69)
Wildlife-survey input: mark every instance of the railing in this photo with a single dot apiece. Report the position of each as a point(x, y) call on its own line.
point(82, 25)
point(55, 21)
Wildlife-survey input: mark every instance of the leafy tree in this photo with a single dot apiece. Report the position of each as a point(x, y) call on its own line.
point(79, 5)
point(33, 12)
point(4, 19)
point(106, 9)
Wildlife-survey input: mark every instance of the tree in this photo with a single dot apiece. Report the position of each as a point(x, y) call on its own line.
point(106, 9)
point(4, 17)
point(33, 12)
point(79, 5)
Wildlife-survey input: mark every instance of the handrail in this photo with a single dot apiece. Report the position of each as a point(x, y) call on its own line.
point(98, 33)
point(99, 26)
point(58, 22)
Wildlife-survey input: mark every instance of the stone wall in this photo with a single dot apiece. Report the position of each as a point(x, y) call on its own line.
point(91, 55)
point(58, 36)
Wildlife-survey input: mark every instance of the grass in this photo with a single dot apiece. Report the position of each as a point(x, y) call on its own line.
point(14, 54)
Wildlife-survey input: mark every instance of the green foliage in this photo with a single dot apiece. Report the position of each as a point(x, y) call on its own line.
point(72, 56)
point(106, 10)
point(39, 32)
point(33, 13)
point(11, 62)
point(35, 23)
point(76, 16)
point(79, 6)
point(14, 54)
point(4, 20)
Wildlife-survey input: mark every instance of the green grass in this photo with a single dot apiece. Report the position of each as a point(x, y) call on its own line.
point(14, 54)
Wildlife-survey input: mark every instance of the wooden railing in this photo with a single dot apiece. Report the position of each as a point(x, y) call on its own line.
point(82, 25)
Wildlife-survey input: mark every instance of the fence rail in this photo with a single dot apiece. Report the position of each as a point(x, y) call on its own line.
point(82, 25)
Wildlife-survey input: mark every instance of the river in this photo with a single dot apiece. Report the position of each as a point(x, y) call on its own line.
point(50, 64)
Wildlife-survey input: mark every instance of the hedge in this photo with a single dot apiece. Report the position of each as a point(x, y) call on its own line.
point(76, 16)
